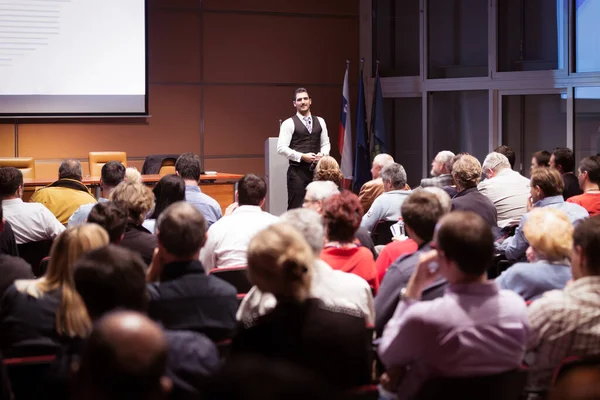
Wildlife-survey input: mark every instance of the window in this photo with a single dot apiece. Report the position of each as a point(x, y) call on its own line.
point(587, 35)
point(587, 121)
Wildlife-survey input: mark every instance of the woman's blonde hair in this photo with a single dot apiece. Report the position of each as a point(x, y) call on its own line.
point(136, 197)
point(280, 262)
point(328, 169)
point(133, 175)
point(550, 232)
point(71, 317)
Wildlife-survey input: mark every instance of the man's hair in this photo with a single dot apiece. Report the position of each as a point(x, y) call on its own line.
point(542, 158)
point(113, 173)
point(309, 223)
point(342, 214)
point(252, 190)
point(466, 172)
point(112, 217)
point(445, 157)
point(421, 211)
point(508, 152)
point(300, 90)
point(466, 239)
point(563, 156)
point(181, 229)
point(383, 159)
point(591, 165)
point(587, 235)
point(321, 190)
point(10, 180)
point(170, 189)
point(395, 174)
point(111, 278)
point(188, 166)
point(549, 180)
point(136, 197)
point(495, 162)
point(70, 169)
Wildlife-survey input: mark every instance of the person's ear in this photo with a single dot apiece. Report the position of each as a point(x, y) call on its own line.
point(166, 385)
point(262, 202)
point(236, 197)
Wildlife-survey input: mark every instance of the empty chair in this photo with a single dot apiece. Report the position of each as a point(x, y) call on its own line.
point(25, 164)
point(98, 158)
point(162, 164)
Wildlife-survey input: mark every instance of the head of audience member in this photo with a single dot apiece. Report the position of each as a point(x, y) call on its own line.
point(124, 358)
point(380, 161)
point(112, 173)
point(465, 247)
point(563, 160)
point(11, 183)
point(589, 173)
point(136, 198)
point(442, 196)
point(70, 169)
point(170, 189)
point(110, 278)
point(578, 382)
point(280, 262)
point(302, 101)
point(540, 159)
point(508, 153)
point(316, 194)
point(188, 166)
point(310, 225)
point(328, 169)
point(421, 212)
point(442, 163)
point(251, 191)
point(394, 177)
point(456, 158)
point(466, 172)
point(342, 214)
point(542, 246)
point(545, 182)
point(133, 175)
point(112, 217)
point(585, 257)
point(494, 163)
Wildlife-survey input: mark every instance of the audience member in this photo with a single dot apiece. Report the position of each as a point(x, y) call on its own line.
point(330, 342)
point(11, 267)
point(112, 173)
point(8, 243)
point(563, 160)
point(474, 329)
point(228, 238)
point(30, 222)
point(328, 169)
point(507, 152)
point(132, 175)
point(182, 296)
point(546, 191)
point(335, 288)
point(188, 167)
point(589, 182)
point(170, 189)
point(374, 188)
point(579, 382)
point(112, 218)
point(507, 189)
point(441, 170)
point(548, 255)
point(540, 159)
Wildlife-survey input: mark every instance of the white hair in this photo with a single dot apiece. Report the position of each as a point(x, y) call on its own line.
point(443, 197)
point(445, 157)
point(495, 162)
point(395, 174)
point(310, 224)
point(321, 190)
point(383, 159)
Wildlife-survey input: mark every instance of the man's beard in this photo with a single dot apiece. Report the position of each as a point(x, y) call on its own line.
point(434, 173)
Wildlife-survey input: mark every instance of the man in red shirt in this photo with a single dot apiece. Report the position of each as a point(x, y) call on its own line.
point(589, 182)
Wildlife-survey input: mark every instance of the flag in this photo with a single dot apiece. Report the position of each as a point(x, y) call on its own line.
point(345, 134)
point(377, 121)
point(362, 162)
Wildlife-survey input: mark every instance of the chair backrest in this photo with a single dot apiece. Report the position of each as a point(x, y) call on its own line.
point(236, 276)
point(97, 159)
point(382, 234)
point(167, 166)
point(27, 375)
point(25, 164)
point(34, 253)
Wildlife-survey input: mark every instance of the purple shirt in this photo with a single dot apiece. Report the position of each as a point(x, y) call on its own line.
point(474, 329)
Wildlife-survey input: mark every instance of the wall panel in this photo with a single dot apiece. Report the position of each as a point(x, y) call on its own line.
point(330, 7)
point(7, 140)
point(236, 165)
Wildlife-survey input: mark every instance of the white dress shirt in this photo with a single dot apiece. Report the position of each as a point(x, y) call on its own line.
point(509, 191)
point(285, 137)
point(228, 238)
point(31, 222)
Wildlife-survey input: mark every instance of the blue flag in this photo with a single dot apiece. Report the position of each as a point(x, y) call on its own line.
point(378, 121)
point(362, 161)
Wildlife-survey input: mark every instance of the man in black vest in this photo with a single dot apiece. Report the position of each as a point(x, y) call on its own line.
point(303, 140)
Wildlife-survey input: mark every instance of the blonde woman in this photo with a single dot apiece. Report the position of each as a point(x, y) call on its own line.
point(330, 342)
point(328, 169)
point(39, 315)
point(550, 235)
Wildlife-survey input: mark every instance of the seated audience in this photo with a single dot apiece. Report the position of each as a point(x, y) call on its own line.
point(328, 169)
point(540, 159)
point(374, 188)
point(334, 288)
point(30, 222)
point(188, 167)
point(507, 152)
point(441, 170)
point(341, 217)
point(474, 329)
point(589, 182)
point(563, 160)
point(546, 191)
point(228, 238)
point(137, 199)
point(330, 342)
point(387, 206)
point(170, 189)
point(182, 296)
point(11, 267)
point(132, 175)
point(64, 196)
point(39, 315)
point(548, 255)
point(112, 173)
point(566, 323)
point(507, 189)
point(112, 218)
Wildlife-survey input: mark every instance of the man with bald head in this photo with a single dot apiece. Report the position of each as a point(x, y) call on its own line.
point(374, 188)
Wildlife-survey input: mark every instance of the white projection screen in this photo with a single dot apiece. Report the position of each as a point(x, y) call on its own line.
point(73, 57)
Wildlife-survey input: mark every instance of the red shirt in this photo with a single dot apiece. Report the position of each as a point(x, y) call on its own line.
point(391, 252)
point(589, 201)
point(356, 260)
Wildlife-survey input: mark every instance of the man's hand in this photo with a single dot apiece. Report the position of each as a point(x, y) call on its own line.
point(529, 203)
point(309, 157)
point(425, 272)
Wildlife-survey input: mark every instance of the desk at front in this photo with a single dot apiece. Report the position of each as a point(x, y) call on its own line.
point(220, 187)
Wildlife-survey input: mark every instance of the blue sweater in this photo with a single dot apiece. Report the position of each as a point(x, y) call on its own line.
point(530, 281)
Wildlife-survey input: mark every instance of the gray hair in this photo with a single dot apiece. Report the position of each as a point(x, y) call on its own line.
point(70, 169)
point(495, 162)
point(442, 196)
point(395, 174)
point(321, 190)
point(309, 223)
point(445, 157)
point(383, 159)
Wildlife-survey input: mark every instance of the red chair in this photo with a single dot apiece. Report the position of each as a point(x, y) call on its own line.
point(26, 375)
point(367, 392)
point(382, 233)
point(236, 276)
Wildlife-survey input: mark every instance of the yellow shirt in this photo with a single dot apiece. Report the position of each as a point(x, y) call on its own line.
point(63, 198)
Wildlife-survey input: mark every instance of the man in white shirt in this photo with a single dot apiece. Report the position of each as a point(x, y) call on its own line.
point(31, 222)
point(303, 140)
point(228, 238)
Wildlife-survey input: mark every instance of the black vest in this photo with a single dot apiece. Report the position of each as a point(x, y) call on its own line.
point(303, 141)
